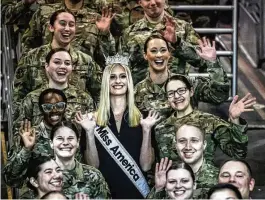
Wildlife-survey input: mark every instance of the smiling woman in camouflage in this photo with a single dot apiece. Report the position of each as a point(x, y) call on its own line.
point(230, 136)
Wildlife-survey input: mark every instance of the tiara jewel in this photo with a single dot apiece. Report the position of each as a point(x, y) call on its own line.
point(117, 59)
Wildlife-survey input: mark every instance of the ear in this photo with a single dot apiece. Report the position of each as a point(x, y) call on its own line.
point(191, 91)
point(78, 143)
point(46, 65)
point(204, 144)
point(194, 185)
point(33, 182)
point(140, 3)
point(251, 184)
point(145, 57)
point(51, 144)
point(51, 29)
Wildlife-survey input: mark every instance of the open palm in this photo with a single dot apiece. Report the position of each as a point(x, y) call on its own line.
point(103, 24)
point(160, 173)
point(27, 134)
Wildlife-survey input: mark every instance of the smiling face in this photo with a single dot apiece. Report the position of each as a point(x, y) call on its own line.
point(179, 184)
point(59, 67)
point(152, 8)
point(190, 144)
point(236, 173)
point(157, 55)
point(224, 194)
point(50, 178)
point(63, 28)
point(118, 82)
point(55, 115)
point(179, 101)
point(65, 143)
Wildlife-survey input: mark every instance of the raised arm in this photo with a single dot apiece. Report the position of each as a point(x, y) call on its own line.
point(88, 123)
point(147, 152)
point(19, 155)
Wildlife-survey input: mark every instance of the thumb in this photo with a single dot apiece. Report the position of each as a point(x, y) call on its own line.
point(235, 98)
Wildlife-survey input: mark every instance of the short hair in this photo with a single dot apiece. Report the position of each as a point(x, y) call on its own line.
point(53, 51)
point(239, 160)
point(195, 123)
point(152, 37)
point(57, 12)
point(53, 91)
point(182, 165)
point(34, 167)
point(67, 124)
point(223, 186)
point(179, 77)
point(103, 114)
point(47, 195)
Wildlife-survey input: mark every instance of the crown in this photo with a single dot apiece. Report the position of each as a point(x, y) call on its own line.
point(117, 59)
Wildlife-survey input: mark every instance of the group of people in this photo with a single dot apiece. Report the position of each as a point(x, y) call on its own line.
point(104, 115)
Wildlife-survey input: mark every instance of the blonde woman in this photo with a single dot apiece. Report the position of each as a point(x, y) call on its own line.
point(122, 149)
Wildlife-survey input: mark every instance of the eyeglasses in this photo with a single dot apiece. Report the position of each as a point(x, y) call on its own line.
point(47, 107)
point(179, 91)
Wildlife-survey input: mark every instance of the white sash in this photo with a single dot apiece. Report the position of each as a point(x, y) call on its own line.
point(122, 158)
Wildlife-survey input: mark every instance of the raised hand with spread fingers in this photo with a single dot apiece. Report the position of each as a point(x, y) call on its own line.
point(103, 24)
point(237, 107)
point(27, 134)
point(160, 173)
point(152, 118)
point(206, 49)
point(87, 121)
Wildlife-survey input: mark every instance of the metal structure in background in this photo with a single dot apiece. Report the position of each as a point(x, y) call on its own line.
point(7, 73)
point(233, 31)
point(252, 31)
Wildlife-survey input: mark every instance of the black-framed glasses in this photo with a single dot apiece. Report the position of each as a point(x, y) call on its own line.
point(47, 107)
point(179, 91)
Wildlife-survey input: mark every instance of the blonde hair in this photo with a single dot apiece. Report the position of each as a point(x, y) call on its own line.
point(103, 112)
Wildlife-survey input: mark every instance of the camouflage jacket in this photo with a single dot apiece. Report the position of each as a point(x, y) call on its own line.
point(205, 178)
point(87, 180)
point(231, 138)
point(15, 12)
point(30, 74)
point(88, 37)
point(213, 89)
point(18, 156)
point(77, 100)
point(133, 42)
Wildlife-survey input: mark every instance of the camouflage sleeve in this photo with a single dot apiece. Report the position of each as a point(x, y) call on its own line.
point(32, 37)
point(17, 163)
point(13, 12)
point(232, 138)
point(191, 35)
point(91, 105)
point(25, 111)
point(101, 187)
point(94, 81)
point(213, 89)
point(156, 195)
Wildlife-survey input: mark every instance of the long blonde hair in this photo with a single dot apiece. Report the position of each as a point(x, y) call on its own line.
point(103, 113)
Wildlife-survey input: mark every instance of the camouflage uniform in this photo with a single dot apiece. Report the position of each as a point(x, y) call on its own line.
point(134, 39)
point(88, 37)
point(30, 74)
point(214, 89)
point(231, 138)
point(205, 178)
point(87, 180)
point(77, 100)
